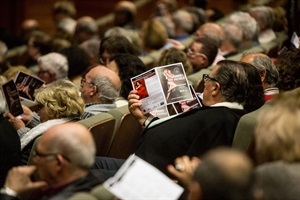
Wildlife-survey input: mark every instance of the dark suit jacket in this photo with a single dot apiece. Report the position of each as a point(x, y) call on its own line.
point(192, 133)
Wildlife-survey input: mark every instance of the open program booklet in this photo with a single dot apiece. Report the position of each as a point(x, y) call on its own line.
point(137, 179)
point(161, 86)
point(26, 85)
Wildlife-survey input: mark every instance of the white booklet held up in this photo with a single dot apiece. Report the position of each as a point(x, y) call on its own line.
point(137, 179)
point(161, 86)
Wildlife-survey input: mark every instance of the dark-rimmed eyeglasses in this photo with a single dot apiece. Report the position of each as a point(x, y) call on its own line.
point(191, 53)
point(48, 156)
point(39, 106)
point(83, 80)
point(206, 77)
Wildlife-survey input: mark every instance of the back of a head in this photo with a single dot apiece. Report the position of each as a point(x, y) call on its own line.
point(233, 80)
point(277, 136)
point(125, 12)
point(288, 66)
point(61, 99)
point(173, 55)
point(75, 142)
point(55, 63)
point(233, 34)
point(247, 23)
point(184, 20)
point(277, 181)
point(128, 66)
point(42, 41)
point(115, 45)
point(224, 174)
point(154, 34)
point(87, 24)
point(64, 7)
point(264, 16)
point(211, 30)
point(264, 65)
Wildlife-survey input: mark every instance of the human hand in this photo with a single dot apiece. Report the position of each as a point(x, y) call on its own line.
point(27, 114)
point(18, 179)
point(15, 121)
point(176, 44)
point(134, 107)
point(184, 168)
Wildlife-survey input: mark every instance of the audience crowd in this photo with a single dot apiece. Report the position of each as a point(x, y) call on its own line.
point(243, 143)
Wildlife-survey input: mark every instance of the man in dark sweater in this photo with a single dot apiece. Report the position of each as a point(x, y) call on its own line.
point(62, 160)
point(228, 88)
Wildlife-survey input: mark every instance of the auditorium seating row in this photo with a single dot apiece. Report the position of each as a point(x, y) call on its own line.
point(115, 133)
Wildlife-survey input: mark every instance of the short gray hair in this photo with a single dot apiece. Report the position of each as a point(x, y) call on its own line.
point(247, 23)
point(183, 19)
point(55, 62)
point(264, 63)
point(264, 14)
point(107, 92)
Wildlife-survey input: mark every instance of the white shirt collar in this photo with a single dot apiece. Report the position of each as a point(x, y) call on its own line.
point(233, 105)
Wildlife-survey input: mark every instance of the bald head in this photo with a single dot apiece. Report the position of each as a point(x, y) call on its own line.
point(73, 141)
point(211, 30)
point(267, 70)
point(248, 58)
point(101, 70)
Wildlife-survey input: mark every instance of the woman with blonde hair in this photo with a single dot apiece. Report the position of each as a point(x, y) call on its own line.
point(58, 102)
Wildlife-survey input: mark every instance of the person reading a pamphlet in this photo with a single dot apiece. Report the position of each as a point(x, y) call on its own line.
point(228, 88)
point(57, 103)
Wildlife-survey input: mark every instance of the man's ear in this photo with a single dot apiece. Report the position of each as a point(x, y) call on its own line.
point(216, 89)
point(263, 75)
point(93, 90)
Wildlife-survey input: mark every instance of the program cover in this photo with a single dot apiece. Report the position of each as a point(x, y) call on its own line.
point(161, 86)
point(26, 85)
point(12, 98)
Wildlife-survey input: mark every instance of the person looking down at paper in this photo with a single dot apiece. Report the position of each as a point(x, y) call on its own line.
point(231, 89)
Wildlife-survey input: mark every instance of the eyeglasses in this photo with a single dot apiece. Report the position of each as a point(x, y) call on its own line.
point(48, 156)
point(83, 80)
point(104, 60)
point(206, 77)
point(191, 53)
point(39, 106)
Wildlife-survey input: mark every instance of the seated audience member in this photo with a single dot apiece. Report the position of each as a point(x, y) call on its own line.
point(183, 21)
point(126, 66)
point(99, 89)
point(173, 55)
point(277, 135)
point(221, 173)
point(214, 32)
point(154, 36)
point(265, 19)
point(228, 88)
point(78, 62)
point(287, 64)
point(62, 160)
point(198, 15)
point(65, 29)
point(277, 181)
point(9, 143)
point(201, 53)
point(52, 67)
point(58, 102)
point(124, 14)
point(38, 44)
point(233, 36)
point(91, 47)
point(268, 72)
point(249, 26)
point(131, 35)
point(113, 45)
point(86, 29)
point(63, 10)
